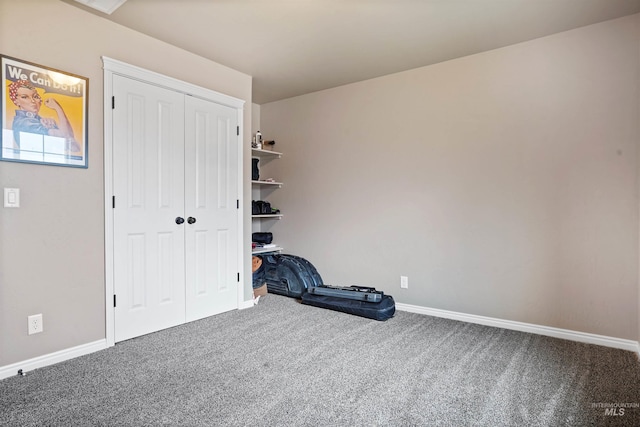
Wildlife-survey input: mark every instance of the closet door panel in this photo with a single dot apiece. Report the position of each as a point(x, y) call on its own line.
point(148, 183)
point(211, 170)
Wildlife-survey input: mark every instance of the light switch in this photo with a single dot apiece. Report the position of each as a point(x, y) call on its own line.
point(11, 197)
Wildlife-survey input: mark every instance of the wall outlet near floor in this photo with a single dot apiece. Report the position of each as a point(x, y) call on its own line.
point(35, 324)
point(404, 282)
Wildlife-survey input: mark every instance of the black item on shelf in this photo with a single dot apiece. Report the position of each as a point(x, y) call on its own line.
point(263, 237)
point(255, 172)
point(260, 207)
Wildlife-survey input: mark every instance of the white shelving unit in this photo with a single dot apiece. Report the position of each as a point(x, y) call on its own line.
point(278, 184)
point(257, 251)
point(265, 155)
point(274, 216)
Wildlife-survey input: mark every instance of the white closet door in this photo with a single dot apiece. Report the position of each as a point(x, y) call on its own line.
point(211, 188)
point(148, 182)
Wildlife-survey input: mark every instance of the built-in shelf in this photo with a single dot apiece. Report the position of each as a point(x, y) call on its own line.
point(274, 183)
point(266, 250)
point(264, 186)
point(273, 216)
point(265, 153)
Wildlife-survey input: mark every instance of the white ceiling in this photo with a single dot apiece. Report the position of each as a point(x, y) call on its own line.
point(293, 47)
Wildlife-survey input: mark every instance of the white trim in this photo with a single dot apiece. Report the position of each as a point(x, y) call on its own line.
point(247, 304)
point(84, 349)
point(526, 327)
point(131, 71)
point(240, 198)
point(108, 210)
point(112, 67)
point(51, 358)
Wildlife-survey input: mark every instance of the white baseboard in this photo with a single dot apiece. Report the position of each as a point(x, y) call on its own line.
point(51, 358)
point(526, 327)
point(81, 350)
point(246, 304)
point(69, 353)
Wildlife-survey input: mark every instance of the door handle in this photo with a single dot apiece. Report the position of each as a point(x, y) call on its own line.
point(179, 220)
point(191, 220)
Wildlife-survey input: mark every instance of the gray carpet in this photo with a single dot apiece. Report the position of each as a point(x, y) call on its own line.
point(286, 364)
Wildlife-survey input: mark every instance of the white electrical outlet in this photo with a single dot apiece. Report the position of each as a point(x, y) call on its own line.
point(404, 282)
point(35, 324)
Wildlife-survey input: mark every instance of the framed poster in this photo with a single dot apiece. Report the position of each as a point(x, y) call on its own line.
point(44, 115)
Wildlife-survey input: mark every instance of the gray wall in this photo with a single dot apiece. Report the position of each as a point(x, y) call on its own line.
point(503, 184)
point(52, 247)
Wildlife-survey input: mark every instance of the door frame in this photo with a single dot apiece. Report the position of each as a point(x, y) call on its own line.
point(112, 67)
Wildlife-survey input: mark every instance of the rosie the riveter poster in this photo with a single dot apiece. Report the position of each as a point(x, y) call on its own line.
point(44, 115)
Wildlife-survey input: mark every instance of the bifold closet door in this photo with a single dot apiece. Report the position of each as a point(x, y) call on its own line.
point(149, 232)
point(176, 228)
point(211, 188)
